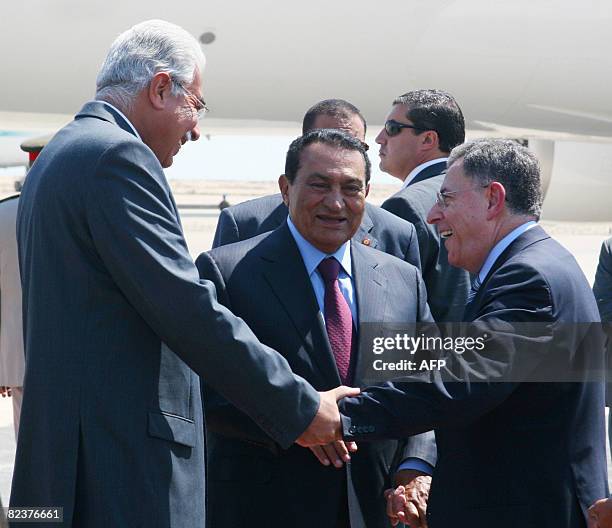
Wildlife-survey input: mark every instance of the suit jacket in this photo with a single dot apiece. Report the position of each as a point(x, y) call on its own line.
point(602, 288)
point(112, 420)
point(447, 286)
point(378, 229)
point(12, 359)
point(514, 453)
point(264, 281)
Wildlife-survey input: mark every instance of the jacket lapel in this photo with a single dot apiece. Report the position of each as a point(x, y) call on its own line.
point(364, 234)
point(371, 290)
point(535, 234)
point(285, 272)
point(429, 172)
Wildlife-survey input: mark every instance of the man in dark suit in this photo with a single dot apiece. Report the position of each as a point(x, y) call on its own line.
point(378, 229)
point(116, 316)
point(421, 129)
point(510, 452)
point(277, 284)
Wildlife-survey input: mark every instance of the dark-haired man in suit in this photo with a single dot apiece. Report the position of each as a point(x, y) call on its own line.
point(305, 288)
point(378, 229)
point(420, 131)
point(510, 453)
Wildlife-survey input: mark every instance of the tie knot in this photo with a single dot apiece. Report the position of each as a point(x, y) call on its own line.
point(329, 269)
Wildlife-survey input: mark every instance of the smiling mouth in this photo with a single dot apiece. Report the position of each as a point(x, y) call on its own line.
point(447, 233)
point(331, 220)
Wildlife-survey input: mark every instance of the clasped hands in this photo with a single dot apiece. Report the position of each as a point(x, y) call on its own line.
point(324, 434)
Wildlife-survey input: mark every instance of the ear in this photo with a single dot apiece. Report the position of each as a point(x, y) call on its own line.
point(160, 90)
point(430, 140)
point(497, 200)
point(367, 190)
point(283, 185)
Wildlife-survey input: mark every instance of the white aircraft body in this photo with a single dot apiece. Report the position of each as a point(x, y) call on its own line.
point(537, 70)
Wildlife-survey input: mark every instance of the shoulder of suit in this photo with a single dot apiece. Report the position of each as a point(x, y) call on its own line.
point(382, 259)
point(238, 250)
point(268, 202)
point(380, 215)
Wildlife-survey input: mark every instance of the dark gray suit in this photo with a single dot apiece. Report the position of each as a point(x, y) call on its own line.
point(378, 229)
point(264, 281)
point(509, 454)
point(112, 418)
point(447, 286)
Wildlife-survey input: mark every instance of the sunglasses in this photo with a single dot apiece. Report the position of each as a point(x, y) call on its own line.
point(393, 128)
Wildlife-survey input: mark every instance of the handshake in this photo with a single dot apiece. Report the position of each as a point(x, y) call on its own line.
point(324, 434)
point(326, 426)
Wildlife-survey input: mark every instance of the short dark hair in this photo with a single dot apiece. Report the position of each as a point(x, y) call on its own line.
point(338, 108)
point(327, 136)
point(435, 110)
point(509, 163)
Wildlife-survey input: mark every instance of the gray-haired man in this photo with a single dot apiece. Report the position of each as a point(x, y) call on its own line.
point(112, 419)
point(511, 452)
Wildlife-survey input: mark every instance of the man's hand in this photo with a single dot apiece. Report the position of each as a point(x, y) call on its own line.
point(325, 426)
point(5, 391)
point(407, 503)
point(334, 453)
point(600, 514)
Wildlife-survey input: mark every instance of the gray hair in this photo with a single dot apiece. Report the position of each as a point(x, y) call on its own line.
point(142, 51)
point(506, 162)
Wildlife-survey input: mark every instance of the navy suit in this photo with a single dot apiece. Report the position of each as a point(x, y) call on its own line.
point(116, 318)
point(447, 286)
point(378, 229)
point(264, 281)
point(515, 453)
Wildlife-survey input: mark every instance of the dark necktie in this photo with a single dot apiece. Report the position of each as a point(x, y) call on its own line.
point(338, 318)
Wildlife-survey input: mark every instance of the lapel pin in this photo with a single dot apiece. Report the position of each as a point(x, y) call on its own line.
point(366, 241)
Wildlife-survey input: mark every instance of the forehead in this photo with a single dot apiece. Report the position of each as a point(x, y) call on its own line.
point(196, 85)
point(455, 177)
point(331, 161)
point(351, 124)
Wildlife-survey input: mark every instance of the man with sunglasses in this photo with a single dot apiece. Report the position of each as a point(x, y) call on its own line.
point(420, 131)
point(379, 229)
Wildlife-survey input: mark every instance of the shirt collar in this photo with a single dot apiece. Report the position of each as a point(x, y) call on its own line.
point(113, 107)
point(499, 248)
point(313, 256)
point(413, 173)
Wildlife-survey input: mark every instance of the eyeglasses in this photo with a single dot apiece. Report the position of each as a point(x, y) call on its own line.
point(393, 128)
point(200, 105)
point(443, 196)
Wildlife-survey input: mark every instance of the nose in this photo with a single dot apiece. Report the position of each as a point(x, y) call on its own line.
point(334, 200)
point(195, 132)
point(382, 137)
point(435, 214)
